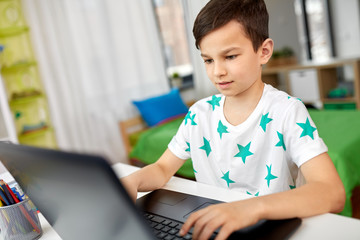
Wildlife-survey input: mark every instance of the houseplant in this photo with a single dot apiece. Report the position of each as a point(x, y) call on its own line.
point(176, 80)
point(282, 57)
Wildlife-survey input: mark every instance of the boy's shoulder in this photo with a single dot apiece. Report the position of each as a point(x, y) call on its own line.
point(280, 101)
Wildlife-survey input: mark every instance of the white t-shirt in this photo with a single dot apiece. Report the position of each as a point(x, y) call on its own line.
point(260, 156)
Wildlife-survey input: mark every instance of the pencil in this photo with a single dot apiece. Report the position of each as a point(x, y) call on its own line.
point(16, 200)
point(6, 191)
point(3, 197)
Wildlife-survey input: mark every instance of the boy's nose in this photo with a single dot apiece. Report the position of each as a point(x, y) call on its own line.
point(219, 69)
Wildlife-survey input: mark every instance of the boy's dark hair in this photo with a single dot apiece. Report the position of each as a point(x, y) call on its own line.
point(251, 14)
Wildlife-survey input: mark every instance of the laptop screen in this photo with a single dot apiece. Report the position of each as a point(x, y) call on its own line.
point(79, 195)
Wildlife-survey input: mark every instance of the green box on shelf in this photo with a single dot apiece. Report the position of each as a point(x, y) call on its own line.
point(339, 106)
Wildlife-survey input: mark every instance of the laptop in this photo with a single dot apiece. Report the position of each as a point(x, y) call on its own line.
point(82, 198)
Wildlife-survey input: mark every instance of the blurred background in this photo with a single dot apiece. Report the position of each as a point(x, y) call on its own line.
point(71, 68)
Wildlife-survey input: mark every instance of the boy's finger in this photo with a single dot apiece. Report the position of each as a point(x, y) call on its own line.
point(186, 226)
point(189, 222)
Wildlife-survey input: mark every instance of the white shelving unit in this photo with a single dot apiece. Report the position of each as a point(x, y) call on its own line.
point(313, 81)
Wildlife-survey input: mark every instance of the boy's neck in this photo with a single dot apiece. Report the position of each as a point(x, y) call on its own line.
point(238, 108)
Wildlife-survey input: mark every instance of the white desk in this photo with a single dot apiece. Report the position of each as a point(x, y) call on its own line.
point(326, 226)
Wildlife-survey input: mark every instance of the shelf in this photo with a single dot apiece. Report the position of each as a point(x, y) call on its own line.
point(340, 100)
point(314, 80)
point(26, 99)
point(20, 65)
point(333, 63)
point(10, 31)
point(35, 133)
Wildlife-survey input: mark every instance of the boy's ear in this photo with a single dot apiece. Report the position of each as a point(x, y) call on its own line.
point(266, 49)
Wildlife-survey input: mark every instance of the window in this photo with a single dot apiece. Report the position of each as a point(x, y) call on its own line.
point(170, 17)
point(315, 25)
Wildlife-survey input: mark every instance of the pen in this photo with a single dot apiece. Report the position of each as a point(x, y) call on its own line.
point(16, 200)
point(6, 191)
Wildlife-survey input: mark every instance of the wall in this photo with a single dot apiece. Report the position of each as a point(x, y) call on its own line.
point(283, 25)
point(346, 27)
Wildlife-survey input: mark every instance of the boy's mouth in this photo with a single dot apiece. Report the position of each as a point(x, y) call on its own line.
point(224, 85)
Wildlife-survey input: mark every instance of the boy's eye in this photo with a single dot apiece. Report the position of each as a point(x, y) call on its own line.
point(208, 61)
point(231, 57)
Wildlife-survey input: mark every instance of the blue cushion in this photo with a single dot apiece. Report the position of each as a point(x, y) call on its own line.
point(159, 109)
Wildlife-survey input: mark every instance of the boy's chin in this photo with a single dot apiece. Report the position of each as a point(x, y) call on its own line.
point(227, 93)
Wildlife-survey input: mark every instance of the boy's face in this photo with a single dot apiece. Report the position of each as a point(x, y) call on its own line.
point(230, 60)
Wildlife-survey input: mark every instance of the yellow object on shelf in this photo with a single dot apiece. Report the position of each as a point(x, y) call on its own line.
point(40, 138)
point(17, 48)
point(22, 80)
point(29, 111)
point(11, 14)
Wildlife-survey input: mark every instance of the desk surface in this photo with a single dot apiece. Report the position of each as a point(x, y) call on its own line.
point(326, 226)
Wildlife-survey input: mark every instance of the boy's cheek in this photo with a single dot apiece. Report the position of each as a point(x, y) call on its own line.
point(209, 74)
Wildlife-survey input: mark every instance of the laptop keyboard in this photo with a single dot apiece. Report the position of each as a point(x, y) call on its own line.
point(165, 228)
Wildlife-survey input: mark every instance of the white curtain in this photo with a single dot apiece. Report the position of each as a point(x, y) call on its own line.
point(203, 86)
point(94, 57)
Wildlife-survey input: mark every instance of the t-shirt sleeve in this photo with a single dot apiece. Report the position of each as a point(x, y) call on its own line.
point(301, 135)
point(179, 144)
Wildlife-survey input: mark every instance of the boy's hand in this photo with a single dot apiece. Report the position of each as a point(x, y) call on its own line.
point(229, 217)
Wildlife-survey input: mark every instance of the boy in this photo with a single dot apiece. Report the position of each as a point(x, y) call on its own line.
point(251, 138)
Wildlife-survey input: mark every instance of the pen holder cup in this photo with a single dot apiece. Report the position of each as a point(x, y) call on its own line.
point(19, 221)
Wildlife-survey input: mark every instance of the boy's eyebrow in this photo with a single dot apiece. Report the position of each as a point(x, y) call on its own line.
point(224, 52)
point(204, 55)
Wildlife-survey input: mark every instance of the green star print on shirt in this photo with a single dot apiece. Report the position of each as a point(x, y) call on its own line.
point(244, 152)
point(215, 101)
point(281, 141)
point(269, 176)
point(227, 178)
point(191, 118)
point(249, 193)
point(188, 149)
point(206, 147)
point(264, 121)
point(221, 129)
point(308, 130)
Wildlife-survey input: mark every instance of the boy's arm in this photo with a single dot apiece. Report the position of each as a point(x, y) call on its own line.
point(322, 193)
point(153, 176)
